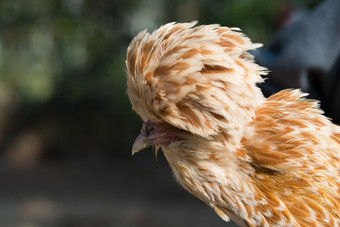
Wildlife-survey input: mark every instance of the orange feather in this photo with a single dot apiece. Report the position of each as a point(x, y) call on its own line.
point(262, 162)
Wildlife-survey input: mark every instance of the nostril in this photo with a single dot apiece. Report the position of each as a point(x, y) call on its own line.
point(147, 127)
point(147, 130)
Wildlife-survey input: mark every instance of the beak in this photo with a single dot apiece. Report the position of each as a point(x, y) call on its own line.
point(140, 143)
point(155, 135)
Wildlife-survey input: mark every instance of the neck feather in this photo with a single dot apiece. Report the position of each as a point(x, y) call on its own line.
point(209, 168)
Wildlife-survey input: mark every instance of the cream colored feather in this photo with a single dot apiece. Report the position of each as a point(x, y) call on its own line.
point(262, 162)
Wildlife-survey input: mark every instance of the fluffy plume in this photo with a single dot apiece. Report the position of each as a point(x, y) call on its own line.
point(261, 162)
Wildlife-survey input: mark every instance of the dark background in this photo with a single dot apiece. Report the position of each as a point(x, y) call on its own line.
point(66, 124)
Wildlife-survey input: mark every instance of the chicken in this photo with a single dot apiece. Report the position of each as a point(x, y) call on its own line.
point(261, 162)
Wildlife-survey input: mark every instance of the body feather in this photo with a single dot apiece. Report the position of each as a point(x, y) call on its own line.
point(261, 162)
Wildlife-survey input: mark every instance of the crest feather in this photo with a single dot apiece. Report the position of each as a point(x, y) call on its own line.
point(200, 79)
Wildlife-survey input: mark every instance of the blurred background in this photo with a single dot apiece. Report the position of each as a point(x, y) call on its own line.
point(66, 124)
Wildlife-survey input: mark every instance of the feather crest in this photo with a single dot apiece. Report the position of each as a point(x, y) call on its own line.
point(200, 79)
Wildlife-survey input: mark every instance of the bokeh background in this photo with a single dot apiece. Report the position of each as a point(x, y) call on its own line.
point(66, 124)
